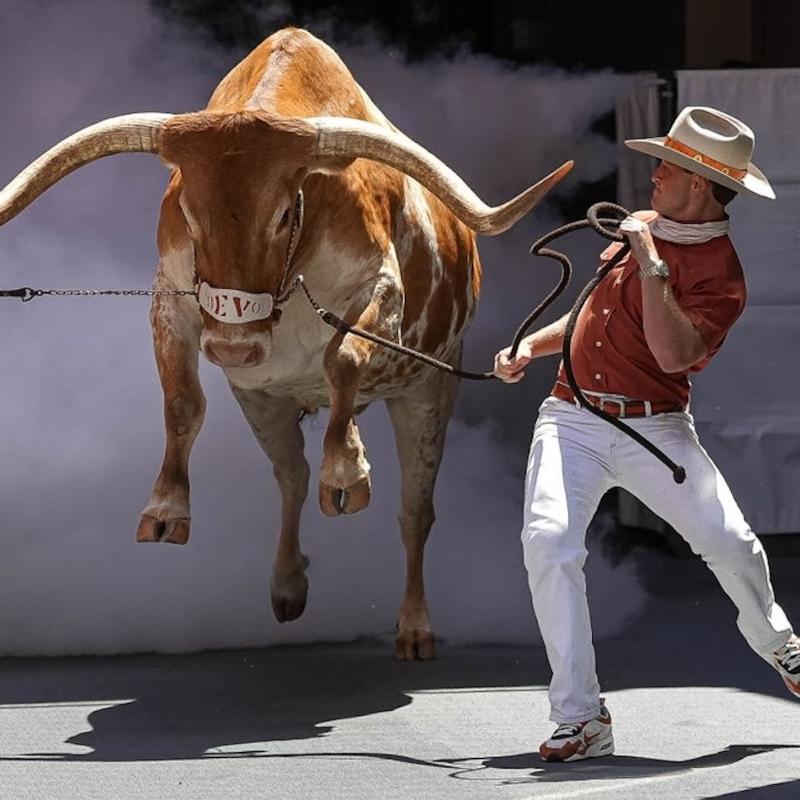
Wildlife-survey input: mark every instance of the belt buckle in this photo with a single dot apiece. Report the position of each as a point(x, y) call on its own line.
point(620, 405)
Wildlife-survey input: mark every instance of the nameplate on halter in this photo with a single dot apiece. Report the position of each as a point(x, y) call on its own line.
point(234, 306)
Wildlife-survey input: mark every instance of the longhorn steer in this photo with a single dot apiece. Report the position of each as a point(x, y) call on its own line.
point(387, 243)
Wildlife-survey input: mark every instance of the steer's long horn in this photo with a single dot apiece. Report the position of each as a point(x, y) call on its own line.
point(130, 133)
point(351, 138)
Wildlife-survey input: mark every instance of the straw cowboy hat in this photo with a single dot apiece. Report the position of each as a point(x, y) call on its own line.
point(712, 144)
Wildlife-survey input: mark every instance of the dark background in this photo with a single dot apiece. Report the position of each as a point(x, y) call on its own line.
point(626, 35)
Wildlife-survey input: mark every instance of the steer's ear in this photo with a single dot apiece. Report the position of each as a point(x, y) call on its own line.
point(173, 228)
point(183, 136)
point(328, 164)
point(171, 166)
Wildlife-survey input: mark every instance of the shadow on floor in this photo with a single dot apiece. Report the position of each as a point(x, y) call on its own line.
point(182, 707)
point(613, 768)
point(775, 791)
point(189, 706)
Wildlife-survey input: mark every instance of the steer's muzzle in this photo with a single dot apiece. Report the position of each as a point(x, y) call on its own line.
point(233, 354)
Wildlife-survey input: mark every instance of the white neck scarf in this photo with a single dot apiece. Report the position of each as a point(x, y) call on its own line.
point(688, 233)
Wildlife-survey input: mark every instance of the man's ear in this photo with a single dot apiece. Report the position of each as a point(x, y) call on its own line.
point(699, 184)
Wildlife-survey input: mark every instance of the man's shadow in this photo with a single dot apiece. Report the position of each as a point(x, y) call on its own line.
point(610, 768)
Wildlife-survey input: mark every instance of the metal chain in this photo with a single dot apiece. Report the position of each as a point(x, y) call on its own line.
point(295, 285)
point(296, 226)
point(119, 292)
point(26, 293)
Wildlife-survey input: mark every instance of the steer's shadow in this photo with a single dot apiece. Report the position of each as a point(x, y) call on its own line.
point(183, 707)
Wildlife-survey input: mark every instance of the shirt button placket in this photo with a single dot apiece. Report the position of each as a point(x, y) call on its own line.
point(601, 362)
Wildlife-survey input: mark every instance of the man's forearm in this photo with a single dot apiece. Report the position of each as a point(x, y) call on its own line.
point(547, 341)
point(672, 338)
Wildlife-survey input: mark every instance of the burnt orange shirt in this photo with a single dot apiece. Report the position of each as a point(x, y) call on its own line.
point(609, 349)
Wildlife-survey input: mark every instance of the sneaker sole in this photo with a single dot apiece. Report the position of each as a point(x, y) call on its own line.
point(793, 687)
point(595, 750)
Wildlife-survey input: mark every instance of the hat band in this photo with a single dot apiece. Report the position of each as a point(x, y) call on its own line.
point(696, 155)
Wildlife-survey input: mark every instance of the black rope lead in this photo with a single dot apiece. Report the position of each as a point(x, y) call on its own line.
point(24, 294)
point(335, 321)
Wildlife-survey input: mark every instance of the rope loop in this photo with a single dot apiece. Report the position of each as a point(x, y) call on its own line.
point(599, 225)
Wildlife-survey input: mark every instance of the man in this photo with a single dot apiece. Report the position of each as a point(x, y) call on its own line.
point(657, 316)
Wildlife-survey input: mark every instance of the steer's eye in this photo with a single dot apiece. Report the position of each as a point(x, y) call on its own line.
point(284, 221)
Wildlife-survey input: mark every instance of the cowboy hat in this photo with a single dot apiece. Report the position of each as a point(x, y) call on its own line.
point(712, 144)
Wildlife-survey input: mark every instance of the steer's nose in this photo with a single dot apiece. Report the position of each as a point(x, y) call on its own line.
point(233, 354)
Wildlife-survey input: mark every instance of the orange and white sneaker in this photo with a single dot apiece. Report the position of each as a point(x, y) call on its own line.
point(787, 662)
point(574, 741)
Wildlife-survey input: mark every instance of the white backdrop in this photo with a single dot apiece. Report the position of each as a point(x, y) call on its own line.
point(747, 402)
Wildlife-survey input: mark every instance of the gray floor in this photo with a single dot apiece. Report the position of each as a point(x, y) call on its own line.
point(696, 715)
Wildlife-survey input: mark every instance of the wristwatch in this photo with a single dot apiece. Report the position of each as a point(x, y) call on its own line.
point(658, 268)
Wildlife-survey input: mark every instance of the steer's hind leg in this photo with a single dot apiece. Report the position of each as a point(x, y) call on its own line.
point(276, 423)
point(176, 337)
point(420, 422)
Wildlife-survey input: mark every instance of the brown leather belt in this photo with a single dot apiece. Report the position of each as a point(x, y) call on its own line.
point(618, 407)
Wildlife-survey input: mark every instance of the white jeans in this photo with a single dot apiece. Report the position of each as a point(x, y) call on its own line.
point(575, 458)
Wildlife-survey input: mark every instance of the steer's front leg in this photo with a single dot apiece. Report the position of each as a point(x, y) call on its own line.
point(344, 485)
point(176, 338)
point(276, 423)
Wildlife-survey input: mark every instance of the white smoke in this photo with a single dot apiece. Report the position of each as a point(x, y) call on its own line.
point(81, 422)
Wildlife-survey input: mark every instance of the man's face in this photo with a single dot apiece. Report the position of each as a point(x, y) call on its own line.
point(672, 191)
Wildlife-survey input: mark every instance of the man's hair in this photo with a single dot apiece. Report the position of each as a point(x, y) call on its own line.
point(722, 194)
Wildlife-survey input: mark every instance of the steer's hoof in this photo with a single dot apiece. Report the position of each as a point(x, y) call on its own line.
point(415, 643)
point(335, 501)
point(330, 500)
point(289, 597)
point(174, 531)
